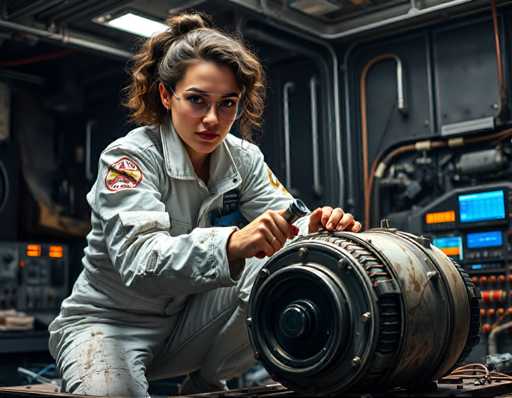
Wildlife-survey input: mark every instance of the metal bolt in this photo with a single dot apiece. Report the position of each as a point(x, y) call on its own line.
point(495, 106)
point(432, 275)
point(249, 321)
point(303, 252)
point(366, 316)
point(356, 361)
point(264, 272)
point(342, 263)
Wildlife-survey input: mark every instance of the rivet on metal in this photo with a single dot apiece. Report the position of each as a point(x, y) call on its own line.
point(264, 272)
point(342, 263)
point(432, 275)
point(366, 316)
point(356, 361)
point(249, 321)
point(303, 252)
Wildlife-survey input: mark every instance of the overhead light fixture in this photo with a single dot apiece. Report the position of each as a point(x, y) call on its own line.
point(133, 23)
point(316, 8)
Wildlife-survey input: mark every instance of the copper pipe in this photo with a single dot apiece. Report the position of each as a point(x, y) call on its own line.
point(364, 123)
point(434, 145)
point(499, 59)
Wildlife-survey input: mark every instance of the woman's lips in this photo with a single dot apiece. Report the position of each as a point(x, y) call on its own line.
point(207, 136)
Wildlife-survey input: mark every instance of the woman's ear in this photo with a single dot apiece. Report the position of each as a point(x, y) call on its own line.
point(165, 96)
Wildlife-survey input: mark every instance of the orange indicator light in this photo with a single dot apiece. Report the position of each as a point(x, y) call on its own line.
point(56, 252)
point(33, 250)
point(451, 251)
point(440, 217)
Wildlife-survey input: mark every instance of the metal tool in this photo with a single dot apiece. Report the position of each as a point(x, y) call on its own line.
point(296, 210)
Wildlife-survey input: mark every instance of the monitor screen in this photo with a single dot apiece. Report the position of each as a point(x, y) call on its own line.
point(477, 240)
point(482, 206)
point(449, 245)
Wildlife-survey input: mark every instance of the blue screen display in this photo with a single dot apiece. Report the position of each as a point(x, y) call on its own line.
point(482, 206)
point(450, 245)
point(478, 240)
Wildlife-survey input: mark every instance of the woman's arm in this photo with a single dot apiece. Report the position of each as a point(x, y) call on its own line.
point(128, 200)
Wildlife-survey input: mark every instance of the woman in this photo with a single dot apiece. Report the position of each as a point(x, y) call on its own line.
point(165, 282)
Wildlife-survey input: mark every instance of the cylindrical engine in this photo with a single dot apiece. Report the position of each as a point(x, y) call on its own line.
point(346, 311)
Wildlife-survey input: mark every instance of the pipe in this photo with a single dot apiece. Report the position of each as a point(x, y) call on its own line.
point(503, 107)
point(411, 14)
point(288, 86)
point(492, 342)
point(66, 38)
point(33, 8)
point(364, 122)
point(259, 35)
point(317, 187)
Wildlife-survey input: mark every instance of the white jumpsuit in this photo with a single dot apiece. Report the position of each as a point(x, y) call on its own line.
point(155, 298)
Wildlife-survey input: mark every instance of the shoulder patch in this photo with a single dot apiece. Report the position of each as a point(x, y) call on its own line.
point(123, 174)
point(275, 183)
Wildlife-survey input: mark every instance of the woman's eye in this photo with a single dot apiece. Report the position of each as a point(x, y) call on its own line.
point(195, 99)
point(228, 103)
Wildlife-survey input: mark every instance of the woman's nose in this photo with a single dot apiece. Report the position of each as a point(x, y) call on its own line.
point(211, 116)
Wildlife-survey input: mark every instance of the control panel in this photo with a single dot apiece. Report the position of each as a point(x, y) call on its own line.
point(33, 276)
point(474, 227)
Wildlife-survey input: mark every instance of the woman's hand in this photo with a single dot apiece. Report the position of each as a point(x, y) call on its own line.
point(332, 220)
point(264, 236)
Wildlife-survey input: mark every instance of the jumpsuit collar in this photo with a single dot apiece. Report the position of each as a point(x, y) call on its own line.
point(223, 170)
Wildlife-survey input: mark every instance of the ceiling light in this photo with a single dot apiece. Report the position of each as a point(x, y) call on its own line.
point(130, 22)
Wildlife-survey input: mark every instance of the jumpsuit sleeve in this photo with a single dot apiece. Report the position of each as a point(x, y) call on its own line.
point(129, 202)
point(262, 191)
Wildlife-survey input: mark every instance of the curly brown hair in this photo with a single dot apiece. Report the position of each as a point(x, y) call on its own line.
point(165, 57)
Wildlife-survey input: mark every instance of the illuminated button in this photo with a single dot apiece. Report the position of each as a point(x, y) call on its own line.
point(486, 328)
point(483, 280)
point(501, 279)
point(483, 312)
point(509, 311)
point(440, 217)
point(500, 311)
point(474, 279)
point(492, 279)
point(491, 312)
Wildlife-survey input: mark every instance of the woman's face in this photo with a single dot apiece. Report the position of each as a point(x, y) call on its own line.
point(203, 106)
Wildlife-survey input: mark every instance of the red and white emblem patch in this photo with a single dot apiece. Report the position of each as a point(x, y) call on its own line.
point(123, 174)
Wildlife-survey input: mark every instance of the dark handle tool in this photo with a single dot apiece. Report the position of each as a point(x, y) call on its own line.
point(296, 210)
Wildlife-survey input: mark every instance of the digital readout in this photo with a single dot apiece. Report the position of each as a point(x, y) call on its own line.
point(482, 206)
point(477, 240)
point(449, 245)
